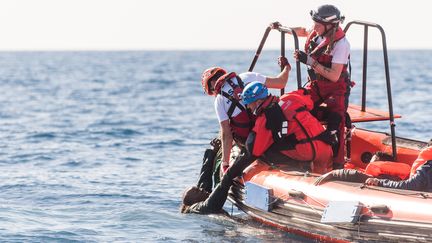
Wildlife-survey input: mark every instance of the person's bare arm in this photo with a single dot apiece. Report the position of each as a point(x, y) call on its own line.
point(333, 73)
point(280, 81)
point(227, 141)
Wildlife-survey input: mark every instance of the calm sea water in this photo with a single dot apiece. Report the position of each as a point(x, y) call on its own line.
point(98, 146)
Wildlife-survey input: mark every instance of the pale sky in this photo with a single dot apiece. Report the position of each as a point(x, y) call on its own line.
point(195, 24)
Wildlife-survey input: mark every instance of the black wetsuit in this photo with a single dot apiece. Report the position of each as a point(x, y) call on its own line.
point(205, 180)
point(217, 198)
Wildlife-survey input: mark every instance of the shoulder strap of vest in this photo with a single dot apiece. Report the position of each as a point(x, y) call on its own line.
point(303, 108)
point(276, 121)
point(309, 139)
point(234, 103)
point(221, 80)
point(239, 81)
point(318, 50)
point(236, 88)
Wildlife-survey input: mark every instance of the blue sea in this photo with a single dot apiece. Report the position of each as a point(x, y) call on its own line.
point(99, 146)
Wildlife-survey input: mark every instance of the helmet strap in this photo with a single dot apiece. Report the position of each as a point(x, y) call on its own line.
point(257, 108)
point(327, 30)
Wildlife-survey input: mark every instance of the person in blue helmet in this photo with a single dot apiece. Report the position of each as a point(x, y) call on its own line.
point(285, 130)
point(275, 137)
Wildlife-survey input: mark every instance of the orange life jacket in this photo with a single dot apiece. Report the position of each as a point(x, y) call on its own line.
point(395, 169)
point(423, 157)
point(300, 130)
point(401, 170)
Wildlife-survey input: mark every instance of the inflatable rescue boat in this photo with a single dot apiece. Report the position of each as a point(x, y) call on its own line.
point(338, 211)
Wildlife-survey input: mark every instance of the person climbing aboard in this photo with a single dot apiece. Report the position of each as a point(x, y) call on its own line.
point(198, 200)
point(234, 119)
point(326, 54)
point(301, 145)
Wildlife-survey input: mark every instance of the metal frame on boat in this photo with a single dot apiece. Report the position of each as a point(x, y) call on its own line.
point(290, 30)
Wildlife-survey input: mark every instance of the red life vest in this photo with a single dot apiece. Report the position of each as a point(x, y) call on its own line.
point(424, 156)
point(242, 123)
point(396, 169)
point(401, 170)
point(296, 106)
point(323, 86)
point(301, 125)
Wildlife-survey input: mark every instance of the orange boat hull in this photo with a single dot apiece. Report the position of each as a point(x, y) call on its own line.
point(298, 205)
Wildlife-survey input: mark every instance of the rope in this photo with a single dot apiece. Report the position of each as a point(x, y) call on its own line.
point(310, 206)
point(287, 196)
point(422, 194)
point(320, 203)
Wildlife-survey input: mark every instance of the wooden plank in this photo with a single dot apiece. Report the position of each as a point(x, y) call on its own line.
point(369, 115)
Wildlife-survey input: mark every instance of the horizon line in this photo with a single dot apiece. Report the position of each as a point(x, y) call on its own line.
point(186, 49)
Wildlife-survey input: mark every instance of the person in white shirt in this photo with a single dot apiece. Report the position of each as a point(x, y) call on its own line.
point(234, 119)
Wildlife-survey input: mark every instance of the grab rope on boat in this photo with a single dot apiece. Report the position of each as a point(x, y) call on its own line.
point(383, 189)
point(311, 207)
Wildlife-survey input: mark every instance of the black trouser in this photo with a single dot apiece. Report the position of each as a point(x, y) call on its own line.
point(205, 180)
point(273, 156)
point(216, 200)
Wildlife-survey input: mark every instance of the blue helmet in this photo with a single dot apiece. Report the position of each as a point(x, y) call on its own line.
point(254, 91)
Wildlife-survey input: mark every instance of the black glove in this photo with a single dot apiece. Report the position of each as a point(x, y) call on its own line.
point(302, 57)
point(216, 144)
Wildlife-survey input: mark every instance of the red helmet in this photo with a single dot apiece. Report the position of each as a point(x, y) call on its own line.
point(207, 75)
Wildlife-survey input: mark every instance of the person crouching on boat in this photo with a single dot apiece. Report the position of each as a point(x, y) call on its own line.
point(285, 130)
point(235, 121)
point(327, 52)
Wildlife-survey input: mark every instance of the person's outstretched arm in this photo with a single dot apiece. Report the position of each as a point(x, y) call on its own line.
point(420, 181)
point(280, 81)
